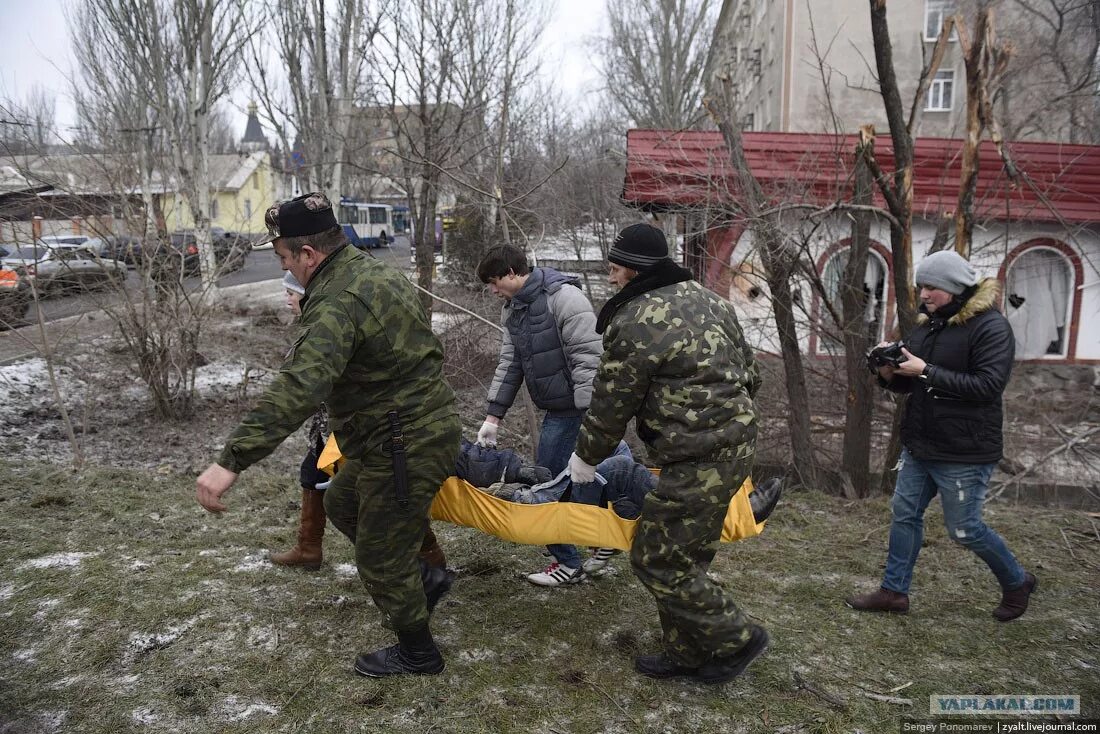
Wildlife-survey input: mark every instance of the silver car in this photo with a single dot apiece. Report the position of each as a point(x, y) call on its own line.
point(63, 268)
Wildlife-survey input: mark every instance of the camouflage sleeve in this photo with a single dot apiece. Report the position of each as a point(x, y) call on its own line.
point(327, 338)
point(622, 381)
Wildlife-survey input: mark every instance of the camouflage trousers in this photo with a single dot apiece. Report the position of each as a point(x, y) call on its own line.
point(676, 538)
point(362, 504)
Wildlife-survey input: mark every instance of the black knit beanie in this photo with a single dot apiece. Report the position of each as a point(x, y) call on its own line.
point(639, 247)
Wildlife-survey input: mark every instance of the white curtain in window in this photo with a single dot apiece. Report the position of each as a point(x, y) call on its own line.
point(1037, 303)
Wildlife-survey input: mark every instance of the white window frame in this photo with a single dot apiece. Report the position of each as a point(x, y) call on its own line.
point(1071, 295)
point(939, 9)
point(939, 100)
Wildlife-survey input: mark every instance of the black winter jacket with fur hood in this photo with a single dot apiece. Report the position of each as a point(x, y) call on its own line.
point(956, 414)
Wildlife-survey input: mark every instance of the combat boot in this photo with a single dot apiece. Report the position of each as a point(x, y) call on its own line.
point(882, 600)
point(726, 668)
point(311, 529)
point(1014, 602)
point(661, 667)
point(415, 653)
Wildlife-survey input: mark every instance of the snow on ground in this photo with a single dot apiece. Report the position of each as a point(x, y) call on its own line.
point(252, 562)
point(237, 710)
point(345, 570)
point(219, 376)
point(56, 560)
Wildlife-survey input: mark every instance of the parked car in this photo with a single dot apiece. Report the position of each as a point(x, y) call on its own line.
point(56, 240)
point(15, 298)
point(62, 268)
point(117, 247)
point(230, 250)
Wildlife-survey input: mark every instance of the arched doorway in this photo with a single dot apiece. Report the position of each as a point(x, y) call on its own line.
point(1039, 302)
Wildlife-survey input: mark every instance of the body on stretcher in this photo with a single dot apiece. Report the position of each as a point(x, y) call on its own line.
point(462, 503)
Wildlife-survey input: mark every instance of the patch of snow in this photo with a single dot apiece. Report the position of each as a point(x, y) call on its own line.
point(142, 642)
point(27, 655)
point(220, 376)
point(265, 638)
point(444, 322)
point(7, 591)
point(44, 608)
point(237, 710)
point(53, 720)
point(209, 552)
point(144, 715)
point(345, 570)
point(139, 565)
point(477, 656)
point(252, 562)
point(56, 560)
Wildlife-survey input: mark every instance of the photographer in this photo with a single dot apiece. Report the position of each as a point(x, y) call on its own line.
point(954, 367)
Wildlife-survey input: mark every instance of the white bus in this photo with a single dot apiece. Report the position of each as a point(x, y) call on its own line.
point(367, 225)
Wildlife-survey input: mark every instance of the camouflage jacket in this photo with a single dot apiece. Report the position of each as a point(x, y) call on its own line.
point(364, 347)
point(674, 358)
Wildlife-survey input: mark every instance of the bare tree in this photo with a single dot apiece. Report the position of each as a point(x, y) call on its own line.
point(308, 97)
point(653, 59)
point(1052, 87)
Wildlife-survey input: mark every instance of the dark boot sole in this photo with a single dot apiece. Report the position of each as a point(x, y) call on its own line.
point(371, 674)
point(875, 609)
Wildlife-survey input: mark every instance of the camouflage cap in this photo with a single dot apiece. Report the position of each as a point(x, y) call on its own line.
point(304, 215)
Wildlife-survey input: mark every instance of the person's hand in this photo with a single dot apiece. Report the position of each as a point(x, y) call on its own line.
point(211, 485)
point(913, 366)
point(487, 436)
point(580, 471)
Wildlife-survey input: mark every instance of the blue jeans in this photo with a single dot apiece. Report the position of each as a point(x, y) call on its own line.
point(557, 441)
point(962, 489)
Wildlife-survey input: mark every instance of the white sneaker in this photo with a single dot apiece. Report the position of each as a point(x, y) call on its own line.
point(556, 575)
point(598, 560)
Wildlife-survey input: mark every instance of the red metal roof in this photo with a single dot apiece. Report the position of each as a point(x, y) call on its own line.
point(691, 168)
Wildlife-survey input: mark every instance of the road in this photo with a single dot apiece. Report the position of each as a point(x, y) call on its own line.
point(261, 265)
point(77, 317)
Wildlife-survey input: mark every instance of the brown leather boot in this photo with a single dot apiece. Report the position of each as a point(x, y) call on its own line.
point(431, 552)
point(307, 553)
point(882, 600)
point(1014, 603)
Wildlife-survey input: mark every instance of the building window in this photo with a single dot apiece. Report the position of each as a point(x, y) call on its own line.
point(934, 13)
point(874, 298)
point(213, 209)
point(256, 180)
point(941, 92)
point(1040, 293)
point(248, 208)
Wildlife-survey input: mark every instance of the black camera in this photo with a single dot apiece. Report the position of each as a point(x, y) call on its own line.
point(887, 355)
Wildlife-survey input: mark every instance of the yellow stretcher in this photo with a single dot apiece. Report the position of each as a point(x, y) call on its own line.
point(462, 503)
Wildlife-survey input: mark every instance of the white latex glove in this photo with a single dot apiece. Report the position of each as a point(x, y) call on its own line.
point(487, 436)
point(581, 471)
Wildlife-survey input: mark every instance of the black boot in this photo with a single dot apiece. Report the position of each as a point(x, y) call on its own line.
point(437, 582)
point(660, 666)
point(415, 653)
point(720, 670)
point(764, 499)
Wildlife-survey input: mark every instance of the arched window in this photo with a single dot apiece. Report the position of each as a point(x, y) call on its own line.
point(874, 295)
point(1038, 296)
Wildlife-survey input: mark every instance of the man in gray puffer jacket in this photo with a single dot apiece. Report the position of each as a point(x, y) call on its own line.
point(550, 343)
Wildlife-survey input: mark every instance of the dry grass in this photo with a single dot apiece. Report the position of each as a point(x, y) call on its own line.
point(172, 620)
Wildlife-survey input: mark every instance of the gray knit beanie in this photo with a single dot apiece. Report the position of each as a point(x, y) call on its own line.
point(946, 270)
point(291, 284)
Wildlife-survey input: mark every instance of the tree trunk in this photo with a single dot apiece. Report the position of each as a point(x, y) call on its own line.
point(857, 423)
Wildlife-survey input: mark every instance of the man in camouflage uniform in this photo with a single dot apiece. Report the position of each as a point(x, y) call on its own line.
point(676, 361)
point(366, 349)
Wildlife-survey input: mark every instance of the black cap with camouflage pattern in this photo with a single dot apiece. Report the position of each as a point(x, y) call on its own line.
point(301, 216)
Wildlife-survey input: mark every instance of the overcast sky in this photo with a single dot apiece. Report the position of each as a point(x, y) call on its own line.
point(35, 50)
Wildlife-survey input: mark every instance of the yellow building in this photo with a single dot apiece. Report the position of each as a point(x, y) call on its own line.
point(242, 186)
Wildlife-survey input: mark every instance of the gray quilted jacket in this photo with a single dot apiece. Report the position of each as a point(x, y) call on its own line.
point(550, 343)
